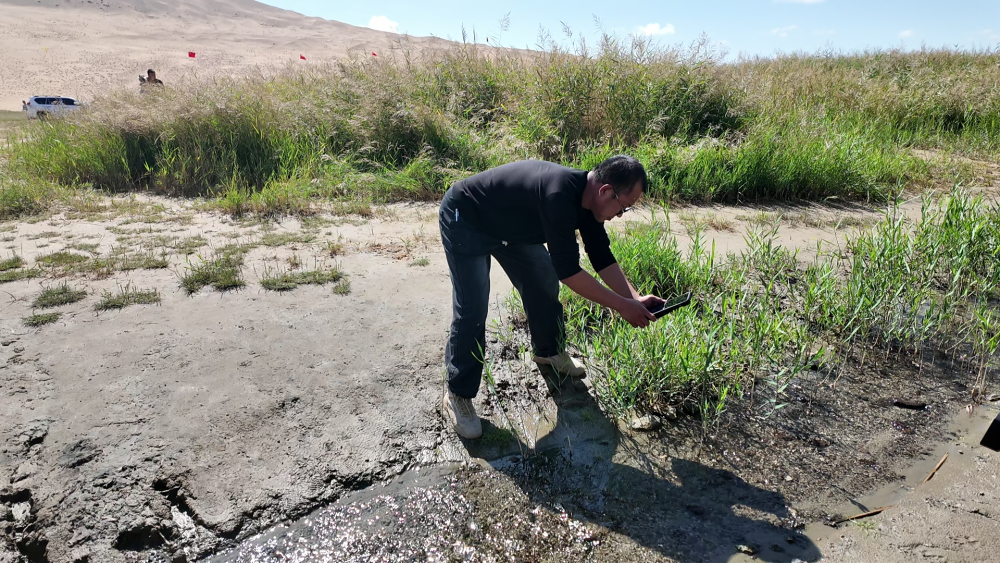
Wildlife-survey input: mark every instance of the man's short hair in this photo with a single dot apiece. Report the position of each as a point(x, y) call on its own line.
point(150, 71)
point(622, 172)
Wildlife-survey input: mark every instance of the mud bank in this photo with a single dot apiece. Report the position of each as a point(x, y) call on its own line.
point(174, 432)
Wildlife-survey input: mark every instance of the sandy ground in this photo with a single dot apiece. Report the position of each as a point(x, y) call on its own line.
point(184, 426)
point(84, 48)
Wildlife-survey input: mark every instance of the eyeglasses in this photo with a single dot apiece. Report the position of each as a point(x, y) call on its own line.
point(624, 209)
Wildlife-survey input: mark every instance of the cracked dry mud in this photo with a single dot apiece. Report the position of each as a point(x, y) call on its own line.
point(175, 431)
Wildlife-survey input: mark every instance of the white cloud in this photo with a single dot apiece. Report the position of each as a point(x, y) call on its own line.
point(382, 23)
point(906, 33)
point(784, 31)
point(797, 1)
point(655, 29)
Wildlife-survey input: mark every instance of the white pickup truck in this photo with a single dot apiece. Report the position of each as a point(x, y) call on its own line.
point(42, 107)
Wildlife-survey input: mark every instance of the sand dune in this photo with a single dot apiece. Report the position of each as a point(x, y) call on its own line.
point(83, 48)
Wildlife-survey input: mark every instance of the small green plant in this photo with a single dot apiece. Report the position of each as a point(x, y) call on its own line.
point(290, 280)
point(56, 296)
point(420, 262)
point(127, 295)
point(343, 287)
point(40, 319)
point(868, 527)
point(90, 247)
point(189, 245)
point(282, 239)
point(19, 274)
point(223, 272)
point(497, 437)
point(334, 248)
point(11, 263)
point(61, 259)
point(44, 234)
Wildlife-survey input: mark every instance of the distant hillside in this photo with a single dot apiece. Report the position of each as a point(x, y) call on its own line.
point(85, 47)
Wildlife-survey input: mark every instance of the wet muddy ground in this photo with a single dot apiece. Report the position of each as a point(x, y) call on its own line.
point(580, 488)
point(180, 431)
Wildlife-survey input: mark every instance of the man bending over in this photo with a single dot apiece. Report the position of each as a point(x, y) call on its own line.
point(510, 213)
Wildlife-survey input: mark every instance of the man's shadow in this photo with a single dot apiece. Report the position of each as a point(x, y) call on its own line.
point(683, 509)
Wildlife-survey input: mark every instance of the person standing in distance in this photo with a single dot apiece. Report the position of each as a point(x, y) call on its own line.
point(510, 213)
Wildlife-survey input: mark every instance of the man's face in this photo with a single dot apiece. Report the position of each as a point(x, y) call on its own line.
point(613, 204)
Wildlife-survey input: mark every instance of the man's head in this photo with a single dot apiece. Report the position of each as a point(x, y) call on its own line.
point(150, 74)
point(620, 181)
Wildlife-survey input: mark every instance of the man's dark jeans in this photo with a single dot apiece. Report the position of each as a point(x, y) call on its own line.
point(529, 268)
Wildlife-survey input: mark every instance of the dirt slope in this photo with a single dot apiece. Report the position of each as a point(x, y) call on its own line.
point(84, 48)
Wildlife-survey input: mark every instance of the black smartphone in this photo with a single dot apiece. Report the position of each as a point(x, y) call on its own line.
point(672, 305)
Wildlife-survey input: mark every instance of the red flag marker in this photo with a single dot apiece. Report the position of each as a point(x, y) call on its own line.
point(303, 57)
point(191, 54)
point(373, 54)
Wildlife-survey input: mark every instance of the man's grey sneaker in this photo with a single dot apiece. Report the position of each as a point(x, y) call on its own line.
point(563, 364)
point(461, 414)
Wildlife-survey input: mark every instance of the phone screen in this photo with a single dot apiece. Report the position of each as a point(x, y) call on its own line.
point(673, 304)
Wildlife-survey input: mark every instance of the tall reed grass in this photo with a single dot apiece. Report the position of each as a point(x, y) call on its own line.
point(405, 126)
point(908, 286)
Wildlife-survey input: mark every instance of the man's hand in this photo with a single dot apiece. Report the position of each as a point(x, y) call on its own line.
point(635, 313)
point(651, 301)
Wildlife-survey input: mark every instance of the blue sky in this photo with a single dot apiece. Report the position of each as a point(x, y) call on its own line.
point(753, 27)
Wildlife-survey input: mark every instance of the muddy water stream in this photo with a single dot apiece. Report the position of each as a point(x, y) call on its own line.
point(574, 501)
point(568, 485)
point(573, 488)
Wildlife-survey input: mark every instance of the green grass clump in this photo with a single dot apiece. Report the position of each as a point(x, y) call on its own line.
point(281, 239)
point(189, 245)
point(11, 263)
point(760, 318)
point(223, 271)
point(24, 196)
point(290, 280)
point(56, 296)
point(497, 437)
point(145, 260)
point(61, 259)
point(85, 246)
point(19, 274)
point(126, 296)
point(343, 287)
point(41, 319)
